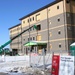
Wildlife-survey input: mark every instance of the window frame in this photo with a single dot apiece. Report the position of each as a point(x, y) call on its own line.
point(36, 17)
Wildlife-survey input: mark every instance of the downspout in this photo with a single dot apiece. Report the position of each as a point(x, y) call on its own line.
point(18, 39)
point(29, 46)
point(21, 40)
point(71, 16)
point(64, 15)
point(48, 31)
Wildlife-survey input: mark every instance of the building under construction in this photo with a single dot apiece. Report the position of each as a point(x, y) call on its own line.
point(55, 24)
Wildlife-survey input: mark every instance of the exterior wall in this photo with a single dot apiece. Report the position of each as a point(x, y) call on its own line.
point(53, 11)
point(16, 43)
point(70, 16)
point(43, 15)
point(57, 27)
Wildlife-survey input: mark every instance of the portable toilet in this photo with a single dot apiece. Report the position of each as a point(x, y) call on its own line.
point(72, 49)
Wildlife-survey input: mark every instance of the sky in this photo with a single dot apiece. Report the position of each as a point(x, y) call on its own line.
point(12, 10)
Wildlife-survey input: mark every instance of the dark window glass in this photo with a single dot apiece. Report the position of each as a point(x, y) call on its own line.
point(60, 46)
point(33, 18)
point(59, 32)
point(58, 19)
point(28, 39)
point(67, 1)
point(39, 27)
point(57, 7)
point(28, 20)
point(33, 38)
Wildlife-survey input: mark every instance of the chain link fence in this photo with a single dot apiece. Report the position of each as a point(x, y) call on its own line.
point(39, 61)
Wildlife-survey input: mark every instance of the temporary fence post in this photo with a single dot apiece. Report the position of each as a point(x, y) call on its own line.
point(43, 59)
point(29, 58)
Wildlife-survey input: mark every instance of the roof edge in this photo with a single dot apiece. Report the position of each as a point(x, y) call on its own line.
point(46, 6)
point(15, 26)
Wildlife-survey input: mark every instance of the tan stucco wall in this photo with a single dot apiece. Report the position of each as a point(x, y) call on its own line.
point(53, 11)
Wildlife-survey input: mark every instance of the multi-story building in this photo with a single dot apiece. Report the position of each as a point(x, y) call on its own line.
point(16, 44)
point(56, 25)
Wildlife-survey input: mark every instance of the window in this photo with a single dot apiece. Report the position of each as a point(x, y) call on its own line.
point(33, 18)
point(38, 17)
point(38, 37)
point(69, 28)
point(28, 39)
point(67, 1)
point(50, 46)
point(50, 34)
point(58, 19)
point(68, 15)
point(28, 20)
point(33, 38)
point(57, 7)
point(60, 45)
point(24, 39)
point(59, 32)
point(23, 21)
point(39, 27)
point(49, 22)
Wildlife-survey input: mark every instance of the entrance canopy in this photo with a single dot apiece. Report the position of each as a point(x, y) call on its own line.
point(35, 43)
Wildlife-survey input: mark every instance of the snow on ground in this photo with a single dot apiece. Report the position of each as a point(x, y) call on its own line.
point(7, 63)
point(21, 64)
point(8, 66)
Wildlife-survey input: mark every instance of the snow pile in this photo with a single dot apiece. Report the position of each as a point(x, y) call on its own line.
point(8, 66)
point(21, 65)
point(30, 71)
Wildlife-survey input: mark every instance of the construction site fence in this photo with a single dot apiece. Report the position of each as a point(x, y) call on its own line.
point(37, 59)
